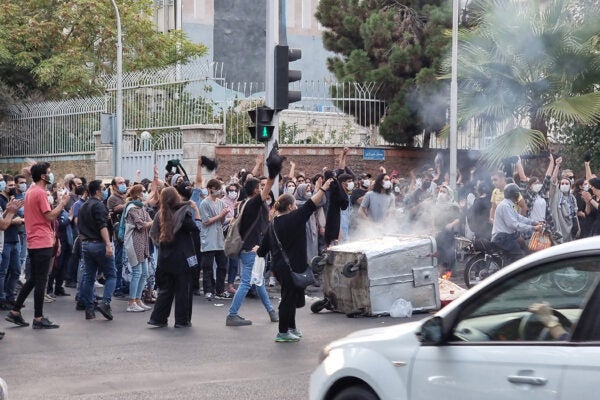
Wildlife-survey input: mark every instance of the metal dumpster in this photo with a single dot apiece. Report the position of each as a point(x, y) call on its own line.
point(366, 277)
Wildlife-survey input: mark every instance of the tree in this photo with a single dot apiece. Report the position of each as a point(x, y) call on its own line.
point(59, 48)
point(527, 66)
point(399, 45)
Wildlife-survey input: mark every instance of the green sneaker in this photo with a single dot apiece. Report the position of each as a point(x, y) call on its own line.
point(295, 332)
point(286, 337)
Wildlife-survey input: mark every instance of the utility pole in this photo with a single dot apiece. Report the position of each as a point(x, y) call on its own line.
point(119, 106)
point(454, 98)
point(272, 30)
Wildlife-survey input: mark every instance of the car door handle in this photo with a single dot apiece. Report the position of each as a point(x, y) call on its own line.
point(529, 380)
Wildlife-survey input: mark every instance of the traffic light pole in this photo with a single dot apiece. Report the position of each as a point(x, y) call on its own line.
point(272, 30)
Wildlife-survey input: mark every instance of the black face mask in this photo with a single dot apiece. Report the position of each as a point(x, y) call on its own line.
point(79, 190)
point(426, 185)
point(12, 192)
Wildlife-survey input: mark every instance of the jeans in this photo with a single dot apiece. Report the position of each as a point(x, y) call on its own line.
point(58, 274)
point(508, 242)
point(121, 285)
point(234, 262)
point(41, 260)
point(10, 270)
point(247, 259)
point(94, 261)
point(139, 273)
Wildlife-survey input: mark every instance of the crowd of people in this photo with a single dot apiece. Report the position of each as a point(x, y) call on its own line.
point(159, 241)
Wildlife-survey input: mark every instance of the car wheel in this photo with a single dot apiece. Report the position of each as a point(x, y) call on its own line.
point(358, 392)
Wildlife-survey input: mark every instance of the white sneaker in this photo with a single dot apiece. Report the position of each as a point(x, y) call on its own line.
point(272, 281)
point(134, 308)
point(98, 284)
point(141, 304)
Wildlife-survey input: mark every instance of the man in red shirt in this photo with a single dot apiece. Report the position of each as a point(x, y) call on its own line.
point(40, 241)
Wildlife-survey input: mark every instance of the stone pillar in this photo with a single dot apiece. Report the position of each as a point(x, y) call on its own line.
point(105, 154)
point(199, 140)
point(104, 158)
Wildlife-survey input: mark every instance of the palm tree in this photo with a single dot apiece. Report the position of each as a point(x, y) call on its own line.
point(527, 68)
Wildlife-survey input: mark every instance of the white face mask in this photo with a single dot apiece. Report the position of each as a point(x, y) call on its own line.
point(232, 195)
point(565, 188)
point(536, 187)
point(586, 188)
point(22, 187)
point(144, 196)
point(418, 182)
point(442, 198)
point(50, 200)
point(269, 202)
point(308, 195)
point(350, 185)
point(290, 189)
point(387, 184)
point(366, 183)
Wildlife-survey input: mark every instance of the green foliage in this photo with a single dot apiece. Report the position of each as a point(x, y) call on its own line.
point(288, 134)
point(577, 140)
point(59, 48)
point(398, 44)
point(525, 66)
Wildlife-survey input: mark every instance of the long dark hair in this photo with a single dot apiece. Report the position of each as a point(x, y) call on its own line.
point(378, 185)
point(169, 202)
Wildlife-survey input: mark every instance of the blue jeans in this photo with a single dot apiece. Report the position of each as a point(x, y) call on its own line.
point(233, 269)
point(121, 285)
point(10, 270)
point(94, 261)
point(139, 273)
point(247, 259)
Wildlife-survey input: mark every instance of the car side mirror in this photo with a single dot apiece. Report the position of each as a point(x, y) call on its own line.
point(431, 332)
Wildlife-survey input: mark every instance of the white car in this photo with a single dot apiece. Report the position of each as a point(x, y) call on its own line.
point(3, 390)
point(486, 344)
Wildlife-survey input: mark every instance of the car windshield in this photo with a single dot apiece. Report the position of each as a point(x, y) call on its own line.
point(497, 314)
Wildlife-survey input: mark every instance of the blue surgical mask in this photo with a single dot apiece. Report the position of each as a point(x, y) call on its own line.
point(204, 192)
point(122, 188)
point(2, 186)
point(22, 187)
point(51, 178)
point(105, 194)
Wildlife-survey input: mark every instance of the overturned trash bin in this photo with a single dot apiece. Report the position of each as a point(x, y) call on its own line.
point(364, 278)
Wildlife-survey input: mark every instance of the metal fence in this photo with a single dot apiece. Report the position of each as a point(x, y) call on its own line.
point(167, 99)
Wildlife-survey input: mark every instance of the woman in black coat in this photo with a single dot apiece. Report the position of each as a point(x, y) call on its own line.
point(176, 234)
point(289, 226)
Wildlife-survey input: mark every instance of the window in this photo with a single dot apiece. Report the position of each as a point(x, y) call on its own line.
point(502, 314)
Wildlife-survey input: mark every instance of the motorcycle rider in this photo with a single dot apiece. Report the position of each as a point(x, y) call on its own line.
point(508, 223)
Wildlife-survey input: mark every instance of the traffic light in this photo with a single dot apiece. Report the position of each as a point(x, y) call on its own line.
point(284, 75)
point(263, 128)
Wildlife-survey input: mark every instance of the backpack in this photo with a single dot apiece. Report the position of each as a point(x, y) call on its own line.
point(121, 224)
point(234, 241)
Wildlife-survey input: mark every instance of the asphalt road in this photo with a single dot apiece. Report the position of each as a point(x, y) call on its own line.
point(128, 359)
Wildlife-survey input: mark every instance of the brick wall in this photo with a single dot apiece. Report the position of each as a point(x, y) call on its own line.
point(311, 160)
point(60, 168)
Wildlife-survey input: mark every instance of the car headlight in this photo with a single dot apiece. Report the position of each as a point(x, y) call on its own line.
point(324, 353)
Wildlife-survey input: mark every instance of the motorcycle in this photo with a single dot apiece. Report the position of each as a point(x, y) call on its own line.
point(484, 258)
